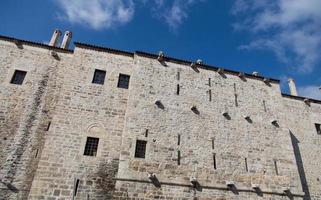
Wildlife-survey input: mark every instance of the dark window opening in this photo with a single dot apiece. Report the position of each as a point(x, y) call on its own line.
point(246, 167)
point(318, 128)
point(178, 76)
point(18, 77)
point(210, 95)
point(178, 157)
point(213, 143)
point(140, 149)
point(146, 133)
point(123, 81)
point(209, 82)
point(214, 160)
point(91, 146)
point(99, 77)
point(177, 89)
point(178, 139)
point(76, 187)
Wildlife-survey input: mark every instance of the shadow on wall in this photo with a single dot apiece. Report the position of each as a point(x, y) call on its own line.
point(299, 163)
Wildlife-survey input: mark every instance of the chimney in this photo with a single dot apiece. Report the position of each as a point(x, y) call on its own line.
point(66, 40)
point(55, 37)
point(292, 87)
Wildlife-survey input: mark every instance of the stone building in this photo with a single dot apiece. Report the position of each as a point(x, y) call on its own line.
point(100, 123)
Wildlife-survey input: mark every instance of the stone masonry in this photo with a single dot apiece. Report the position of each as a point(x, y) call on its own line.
point(210, 133)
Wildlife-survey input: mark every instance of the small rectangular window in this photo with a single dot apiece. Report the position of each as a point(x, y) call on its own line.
point(140, 149)
point(123, 81)
point(318, 128)
point(99, 77)
point(18, 77)
point(178, 157)
point(91, 146)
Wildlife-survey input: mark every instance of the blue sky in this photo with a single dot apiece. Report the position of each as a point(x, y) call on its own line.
point(277, 38)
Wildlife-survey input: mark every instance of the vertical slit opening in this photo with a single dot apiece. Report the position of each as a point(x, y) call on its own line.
point(213, 143)
point(264, 105)
point(178, 157)
point(235, 95)
point(276, 167)
point(178, 139)
point(48, 126)
point(246, 167)
point(76, 187)
point(209, 82)
point(214, 161)
point(210, 95)
point(36, 155)
point(146, 133)
point(177, 89)
point(178, 76)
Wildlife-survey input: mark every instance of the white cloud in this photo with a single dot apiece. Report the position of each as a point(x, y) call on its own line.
point(100, 14)
point(310, 91)
point(289, 28)
point(173, 13)
point(97, 14)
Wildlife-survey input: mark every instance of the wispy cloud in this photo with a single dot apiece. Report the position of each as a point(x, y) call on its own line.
point(174, 13)
point(97, 14)
point(289, 28)
point(103, 14)
point(310, 91)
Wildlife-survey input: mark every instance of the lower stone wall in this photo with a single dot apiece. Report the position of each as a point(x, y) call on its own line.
point(144, 190)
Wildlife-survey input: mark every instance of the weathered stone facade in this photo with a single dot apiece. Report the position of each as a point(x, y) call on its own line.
point(235, 133)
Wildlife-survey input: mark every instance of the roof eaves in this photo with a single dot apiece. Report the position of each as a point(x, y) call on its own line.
point(300, 98)
point(204, 66)
point(36, 44)
point(103, 49)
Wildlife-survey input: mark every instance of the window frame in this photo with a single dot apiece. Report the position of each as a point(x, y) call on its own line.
point(91, 150)
point(140, 149)
point(122, 83)
point(97, 81)
point(14, 79)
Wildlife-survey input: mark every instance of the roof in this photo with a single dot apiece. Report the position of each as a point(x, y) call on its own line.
point(36, 44)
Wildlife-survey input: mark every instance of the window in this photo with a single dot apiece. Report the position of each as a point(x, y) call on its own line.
point(18, 77)
point(123, 81)
point(99, 77)
point(318, 127)
point(140, 149)
point(91, 146)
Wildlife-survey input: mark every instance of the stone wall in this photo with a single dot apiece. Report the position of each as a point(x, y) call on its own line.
point(45, 122)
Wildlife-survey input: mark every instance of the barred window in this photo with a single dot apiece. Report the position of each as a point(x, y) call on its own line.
point(318, 128)
point(123, 81)
point(18, 77)
point(140, 149)
point(91, 146)
point(99, 77)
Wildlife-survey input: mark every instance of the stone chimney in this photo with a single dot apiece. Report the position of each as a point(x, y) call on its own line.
point(55, 38)
point(66, 40)
point(292, 87)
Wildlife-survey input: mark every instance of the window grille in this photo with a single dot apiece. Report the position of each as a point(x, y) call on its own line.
point(91, 146)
